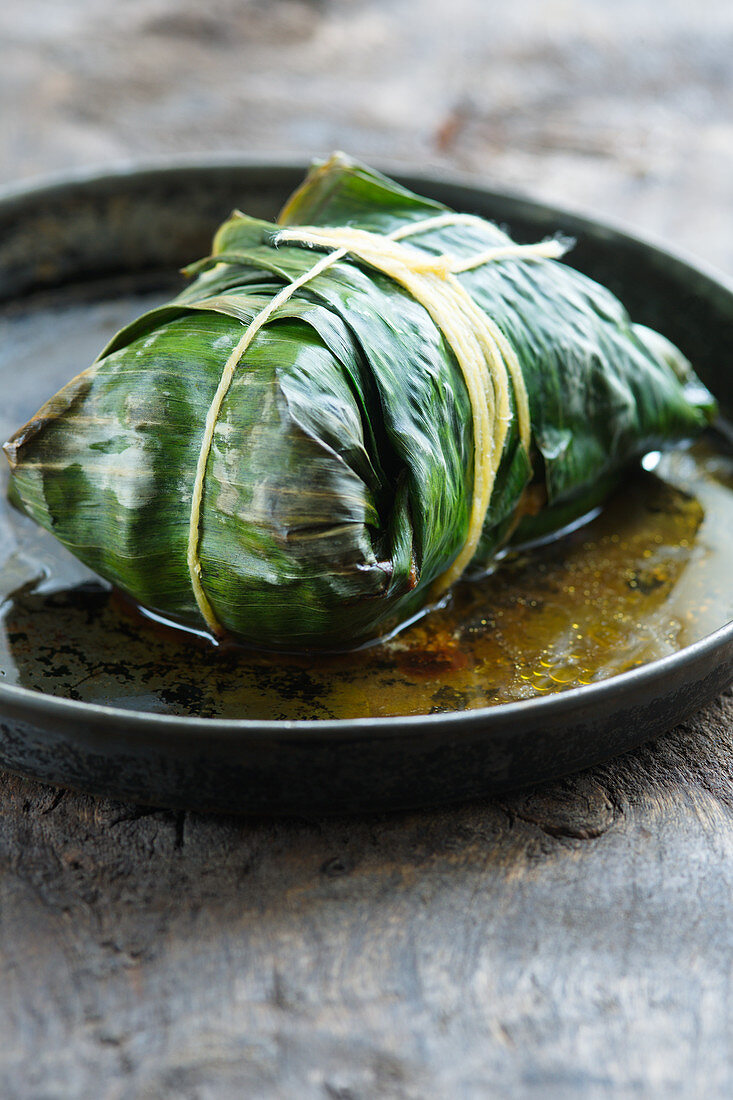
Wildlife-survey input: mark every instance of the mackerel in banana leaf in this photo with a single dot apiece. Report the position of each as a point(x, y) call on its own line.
point(338, 486)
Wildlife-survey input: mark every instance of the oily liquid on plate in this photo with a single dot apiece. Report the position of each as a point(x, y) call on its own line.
point(648, 576)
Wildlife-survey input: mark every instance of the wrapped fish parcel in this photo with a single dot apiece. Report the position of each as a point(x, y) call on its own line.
point(345, 412)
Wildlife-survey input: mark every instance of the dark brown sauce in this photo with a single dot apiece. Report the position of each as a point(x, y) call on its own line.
point(648, 576)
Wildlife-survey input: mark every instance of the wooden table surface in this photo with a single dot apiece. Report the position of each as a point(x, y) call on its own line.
point(573, 941)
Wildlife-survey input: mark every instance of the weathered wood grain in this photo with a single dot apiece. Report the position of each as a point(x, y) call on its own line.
point(623, 107)
point(572, 941)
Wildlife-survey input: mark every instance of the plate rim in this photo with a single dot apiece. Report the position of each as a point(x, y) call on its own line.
point(51, 185)
point(570, 700)
point(131, 168)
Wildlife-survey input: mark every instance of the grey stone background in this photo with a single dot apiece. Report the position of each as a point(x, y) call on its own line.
point(575, 941)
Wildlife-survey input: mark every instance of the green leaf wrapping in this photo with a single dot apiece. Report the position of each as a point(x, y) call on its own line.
point(339, 482)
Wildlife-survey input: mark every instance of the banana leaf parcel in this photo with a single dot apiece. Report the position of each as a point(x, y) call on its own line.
point(343, 413)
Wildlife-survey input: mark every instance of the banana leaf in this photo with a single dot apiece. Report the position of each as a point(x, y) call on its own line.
point(339, 481)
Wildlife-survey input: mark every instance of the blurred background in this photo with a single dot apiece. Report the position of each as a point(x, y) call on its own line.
point(622, 108)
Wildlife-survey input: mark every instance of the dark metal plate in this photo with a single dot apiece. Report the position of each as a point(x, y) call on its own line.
point(76, 259)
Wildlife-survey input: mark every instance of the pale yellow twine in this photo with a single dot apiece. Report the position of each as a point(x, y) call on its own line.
point(486, 358)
